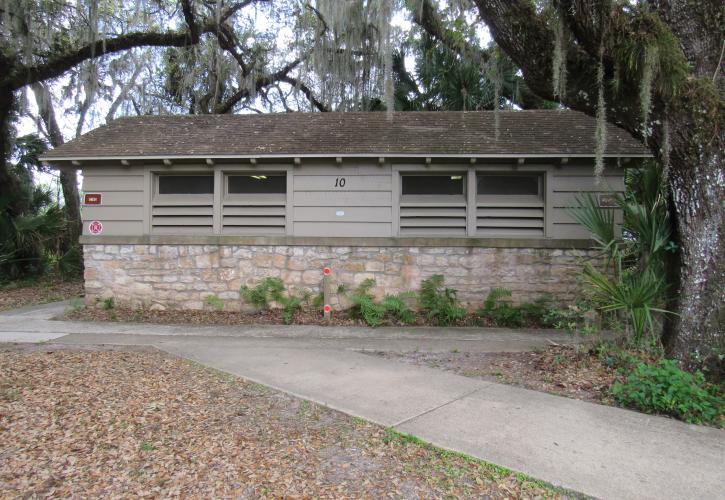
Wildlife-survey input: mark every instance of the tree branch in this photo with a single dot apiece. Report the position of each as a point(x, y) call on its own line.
point(307, 91)
point(428, 18)
point(261, 81)
point(23, 75)
point(188, 11)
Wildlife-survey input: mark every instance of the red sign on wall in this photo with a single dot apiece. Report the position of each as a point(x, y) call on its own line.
point(92, 199)
point(95, 227)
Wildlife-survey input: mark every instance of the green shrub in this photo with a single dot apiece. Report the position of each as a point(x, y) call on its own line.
point(500, 313)
point(108, 303)
point(664, 388)
point(508, 315)
point(440, 303)
point(70, 264)
point(290, 305)
point(272, 289)
point(396, 307)
point(266, 290)
point(364, 307)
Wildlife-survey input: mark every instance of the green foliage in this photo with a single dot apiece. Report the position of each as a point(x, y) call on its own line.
point(440, 303)
point(533, 314)
point(635, 287)
point(108, 304)
point(76, 304)
point(664, 388)
point(571, 319)
point(214, 302)
point(70, 264)
point(599, 221)
point(501, 313)
point(290, 305)
point(31, 222)
point(318, 300)
point(649, 47)
point(268, 290)
point(364, 307)
point(634, 293)
point(398, 309)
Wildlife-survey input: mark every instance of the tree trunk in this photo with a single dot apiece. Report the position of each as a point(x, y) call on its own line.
point(69, 184)
point(697, 181)
point(8, 184)
point(68, 175)
point(696, 116)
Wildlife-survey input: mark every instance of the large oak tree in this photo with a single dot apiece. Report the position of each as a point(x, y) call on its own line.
point(659, 65)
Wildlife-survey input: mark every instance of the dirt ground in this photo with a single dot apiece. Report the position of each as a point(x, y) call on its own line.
point(120, 423)
point(48, 289)
point(573, 372)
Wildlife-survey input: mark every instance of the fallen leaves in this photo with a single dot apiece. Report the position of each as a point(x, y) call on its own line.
point(563, 370)
point(143, 424)
point(304, 316)
point(49, 289)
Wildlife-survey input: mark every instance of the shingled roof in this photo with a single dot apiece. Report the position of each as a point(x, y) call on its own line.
point(525, 133)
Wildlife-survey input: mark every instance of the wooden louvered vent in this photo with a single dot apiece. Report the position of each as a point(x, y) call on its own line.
point(432, 218)
point(433, 205)
point(255, 205)
point(183, 204)
point(510, 206)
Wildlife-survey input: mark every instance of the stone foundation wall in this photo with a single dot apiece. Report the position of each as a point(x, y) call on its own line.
point(182, 276)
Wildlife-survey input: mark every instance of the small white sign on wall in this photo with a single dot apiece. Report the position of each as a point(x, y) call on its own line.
point(340, 213)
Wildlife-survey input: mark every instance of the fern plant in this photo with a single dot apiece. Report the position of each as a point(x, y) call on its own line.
point(364, 307)
point(396, 307)
point(272, 289)
point(439, 303)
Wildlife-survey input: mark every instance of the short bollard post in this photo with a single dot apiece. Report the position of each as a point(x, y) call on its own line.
point(326, 293)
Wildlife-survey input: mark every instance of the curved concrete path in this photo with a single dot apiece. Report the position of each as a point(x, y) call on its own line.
point(601, 451)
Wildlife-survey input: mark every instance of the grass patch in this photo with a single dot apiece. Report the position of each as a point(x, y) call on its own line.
point(488, 470)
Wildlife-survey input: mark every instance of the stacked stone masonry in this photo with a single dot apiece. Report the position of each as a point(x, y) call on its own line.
point(183, 276)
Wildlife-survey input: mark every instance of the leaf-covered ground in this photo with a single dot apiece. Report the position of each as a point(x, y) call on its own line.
point(139, 423)
point(562, 370)
point(48, 289)
point(210, 316)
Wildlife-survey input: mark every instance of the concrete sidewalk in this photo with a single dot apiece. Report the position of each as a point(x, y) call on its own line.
point(601, 451)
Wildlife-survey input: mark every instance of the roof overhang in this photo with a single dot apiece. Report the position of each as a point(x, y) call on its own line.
point(331, 156)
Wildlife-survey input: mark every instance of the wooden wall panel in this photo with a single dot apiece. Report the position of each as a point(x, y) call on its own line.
point(343, 200)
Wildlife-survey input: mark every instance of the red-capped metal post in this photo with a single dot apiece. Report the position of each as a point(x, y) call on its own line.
point(326, 292)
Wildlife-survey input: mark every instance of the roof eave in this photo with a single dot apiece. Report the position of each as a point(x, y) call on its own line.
point(157, 157)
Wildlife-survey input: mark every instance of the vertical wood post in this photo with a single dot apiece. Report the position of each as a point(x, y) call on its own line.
point(327, 292)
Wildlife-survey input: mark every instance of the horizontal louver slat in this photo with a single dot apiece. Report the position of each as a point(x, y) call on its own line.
point(506, 219)
point(255, 217)
point(432, 219)
point(510, 222)
point(255, 210)
point(432, 231)
point(254, 221)
point(254, 230)
point(511, 212)
point(176, 230)
point(182, 217)
point(181, 221)
point(176, 211)
point(507, 232)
